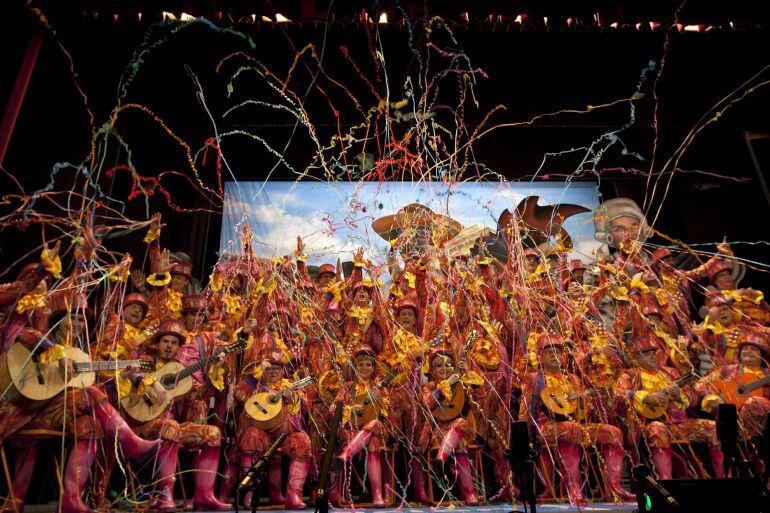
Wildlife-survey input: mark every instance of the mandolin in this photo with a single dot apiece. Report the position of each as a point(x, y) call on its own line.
point(651, 412)
point(29, 384)
point(737, 391)
point(372, 409)
point(266, 408)
point(176, 379)
point(453, 408)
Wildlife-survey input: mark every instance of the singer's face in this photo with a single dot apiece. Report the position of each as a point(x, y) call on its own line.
point(168, 347)
point(751, 356)
point(441, 367)
point(364, 367)
point(273, 373)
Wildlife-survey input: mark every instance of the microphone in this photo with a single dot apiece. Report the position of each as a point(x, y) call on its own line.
point(643, 473)
point(257, 467)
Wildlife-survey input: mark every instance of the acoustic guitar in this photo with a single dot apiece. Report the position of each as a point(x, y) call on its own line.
point(177, 380)
point(651, 412)
point(737, 391)
point(29, 384)
point(372, 409)
point(566, 403)
point(452, 408)
point(266, 408)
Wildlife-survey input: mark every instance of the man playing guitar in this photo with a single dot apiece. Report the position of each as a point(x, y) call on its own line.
point(269, 376)
point(192, 433)
point(647, 385)
point(753, 356)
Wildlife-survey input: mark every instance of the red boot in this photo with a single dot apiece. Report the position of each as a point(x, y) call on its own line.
point(449, 443)
point(206, 464)
point(717, 461)
point(275, 482)
point(229, 480)
point(167, 460)
point(418, 474)
point(356, 444)
point(298, 470)
point(661, 457)
point(613, 468)
point(76, 476)
point(135, 447)
point(246, 461)
point(374, 471)
point(570, 463)
point(465, 479)
point(24, 464)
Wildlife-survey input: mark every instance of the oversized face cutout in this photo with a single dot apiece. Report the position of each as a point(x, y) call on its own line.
point(625, 230)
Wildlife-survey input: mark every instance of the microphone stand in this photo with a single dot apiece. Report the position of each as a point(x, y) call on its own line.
point(321, 491)
point(255, 474)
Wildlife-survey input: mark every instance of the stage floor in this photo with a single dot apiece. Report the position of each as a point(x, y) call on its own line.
point(492, 508)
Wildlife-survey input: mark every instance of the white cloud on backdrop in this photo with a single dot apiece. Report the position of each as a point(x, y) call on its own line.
point(335, 218)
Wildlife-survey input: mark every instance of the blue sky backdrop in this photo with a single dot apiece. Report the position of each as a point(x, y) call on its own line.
point(335, 218)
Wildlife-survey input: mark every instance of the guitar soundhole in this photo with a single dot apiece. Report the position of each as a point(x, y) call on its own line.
point(741, 390)
point(272, 400)
point(168, 382)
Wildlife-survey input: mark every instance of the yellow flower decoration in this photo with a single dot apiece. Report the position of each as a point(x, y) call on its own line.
point(217, 377)
point(738, 297)
point(639, 285)
point(395, 290)
point(335, 288)
point(52, 265)
point(445, 388)
point(52, 354)
point(156, 281)
point(30, 301)
point(174, 301)
point(411, 278)
point(216, 281)
point(233, 304)
point(620, 293)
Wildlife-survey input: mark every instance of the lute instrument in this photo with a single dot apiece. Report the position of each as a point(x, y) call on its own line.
point(266, 408)
point(372, 409)
point(177, 380)
point(652, 412)
point(29, 384)
point(450, 409)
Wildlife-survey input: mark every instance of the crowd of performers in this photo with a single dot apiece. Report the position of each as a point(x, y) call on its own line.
point(609, 358)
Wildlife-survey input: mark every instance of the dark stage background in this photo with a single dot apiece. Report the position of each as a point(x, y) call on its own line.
point(534, 70)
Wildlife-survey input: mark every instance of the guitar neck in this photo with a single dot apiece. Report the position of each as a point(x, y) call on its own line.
point(103, 365)
point(757, 384)
point(195, 367)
